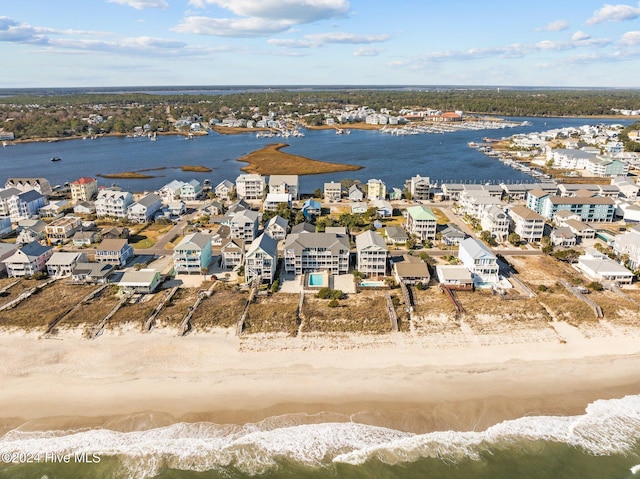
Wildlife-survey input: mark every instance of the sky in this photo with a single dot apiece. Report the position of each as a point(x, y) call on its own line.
point(82, 43)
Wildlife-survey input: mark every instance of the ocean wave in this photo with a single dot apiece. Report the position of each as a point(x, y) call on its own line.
point(607, 427)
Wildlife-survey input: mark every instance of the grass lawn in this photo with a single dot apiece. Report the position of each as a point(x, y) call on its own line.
point(147, 235)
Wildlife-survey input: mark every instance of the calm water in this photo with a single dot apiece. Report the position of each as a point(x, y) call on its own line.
point(602, 443)
point(390, 158)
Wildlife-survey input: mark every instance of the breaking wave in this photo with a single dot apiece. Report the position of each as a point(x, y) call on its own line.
point(607, 427)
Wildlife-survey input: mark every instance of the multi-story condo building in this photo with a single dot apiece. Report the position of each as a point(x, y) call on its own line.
point(528, 224)
point(113, 203)
point(144, 209)
point(83, 189)
point(261, 260)
point(250, 187)
point(590, 209)
point(22, 206)
point(372, 253)
point(306, 252)
point(421, 222)
point(376, 190)
point(479, 260)
point(41, 185)
point(332, 191)
point(193, 254)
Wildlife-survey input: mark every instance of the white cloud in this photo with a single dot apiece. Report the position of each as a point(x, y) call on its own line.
point(614, 13)
point(295, 11)
point(580, 36)
point(231, 27)
point(320, 39)
point(141, 4)
point(556, 26)
point(368, 52)
point(630, 39)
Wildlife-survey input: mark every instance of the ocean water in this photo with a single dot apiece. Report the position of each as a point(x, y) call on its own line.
point(393, 159)
point(602, 443)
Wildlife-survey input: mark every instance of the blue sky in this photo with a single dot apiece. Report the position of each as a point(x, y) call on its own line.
point(583, 43)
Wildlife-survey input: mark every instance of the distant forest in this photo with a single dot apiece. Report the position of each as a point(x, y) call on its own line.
point(43, 114)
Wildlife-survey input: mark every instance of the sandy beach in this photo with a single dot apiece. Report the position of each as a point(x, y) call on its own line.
point(416, 385)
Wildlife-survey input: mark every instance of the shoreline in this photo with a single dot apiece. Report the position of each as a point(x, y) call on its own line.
point(160, 378)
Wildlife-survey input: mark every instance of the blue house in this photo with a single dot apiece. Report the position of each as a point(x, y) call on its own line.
point(311, 208)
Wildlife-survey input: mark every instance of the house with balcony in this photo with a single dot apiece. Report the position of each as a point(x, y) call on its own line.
point(144, 281)
point(113, 203)
point(376, 190)
point(28, 260)
point(114, 251)
point(41, 185)
point(495, 221)
point(193, 254)
point(84, 208)
point(171, 191)
point(396, 235)
point(232, 253)
point(355, 193)
point(311, 209)
point(273, 201)
point(61, 229)
point(277, 227)
point(411, 270)
point(419, 187)
point(250, 186)
point(84, 238)
point(243, 224)
point(224, 190)
point(285, 184)
point(83, 189)
point(332, 191)
point(30, 230)
point(598, 267)
point(20, 205)
point(421, 222)
point(92, 273)
point(590, 209)
point(62, 264)
point(564, 237)
point(261, 260)
point(143, 210)
point(308, 252)
point(629, 244)
point(528, 224)
point(191, 190)
point(372, 254)
point(479, 260)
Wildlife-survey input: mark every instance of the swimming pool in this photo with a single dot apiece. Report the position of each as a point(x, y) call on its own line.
point(373, 284)
point(318, 280)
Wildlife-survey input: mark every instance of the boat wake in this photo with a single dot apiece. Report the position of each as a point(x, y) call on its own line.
point(607, 427)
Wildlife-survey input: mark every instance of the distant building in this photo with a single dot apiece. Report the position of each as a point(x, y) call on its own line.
point(250, 186)
point(332, 191)
point(113, 203)
point(144, 209)
point(41, 185)
point(281, 184)
point(83, 189)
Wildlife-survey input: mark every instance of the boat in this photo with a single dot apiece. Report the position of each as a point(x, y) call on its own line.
point(56, 158)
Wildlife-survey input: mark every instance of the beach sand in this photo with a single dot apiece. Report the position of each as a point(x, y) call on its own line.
point(131, 381)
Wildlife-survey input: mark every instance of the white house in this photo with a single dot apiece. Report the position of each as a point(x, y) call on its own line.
point(250, 186)
point(528, 224)
point(421, 222)
point(28, 260)
point(495, 221)
point(113, 203)
point(332, 191)
point(144, 209)
point(282, 184)
point(224, 190)
point(598, 267)
point(191, 190)
point(480, 262)
point(61, 264)
point(261, 260)
point(277, 227)
point(305, 252)
point(232, 253)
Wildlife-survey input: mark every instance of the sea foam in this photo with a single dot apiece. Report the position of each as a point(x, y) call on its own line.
point(607, 427)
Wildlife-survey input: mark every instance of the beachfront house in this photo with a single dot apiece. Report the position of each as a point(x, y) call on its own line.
point(372, 254)
point(250, 186)
point(479, 260)
point(376, 190)
point(629, 244)
point(528, 224)
point(62, 229)
point(62, 264)
point(144, 209)
point(421, 222)
point(306, 252)
point(232, 253)
point(6, 250)
point(83, 189)
point(261, 260)
point(192, 254)
point(92, 273)
point(277, 227)
point(454, 276)
point(598, 267)
point(114, 251)
point(28, 260)
point(284, 184)
point(144, 281)
point(113, 203)
point(411, 271)
point(223, 190)
point(332, 191)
